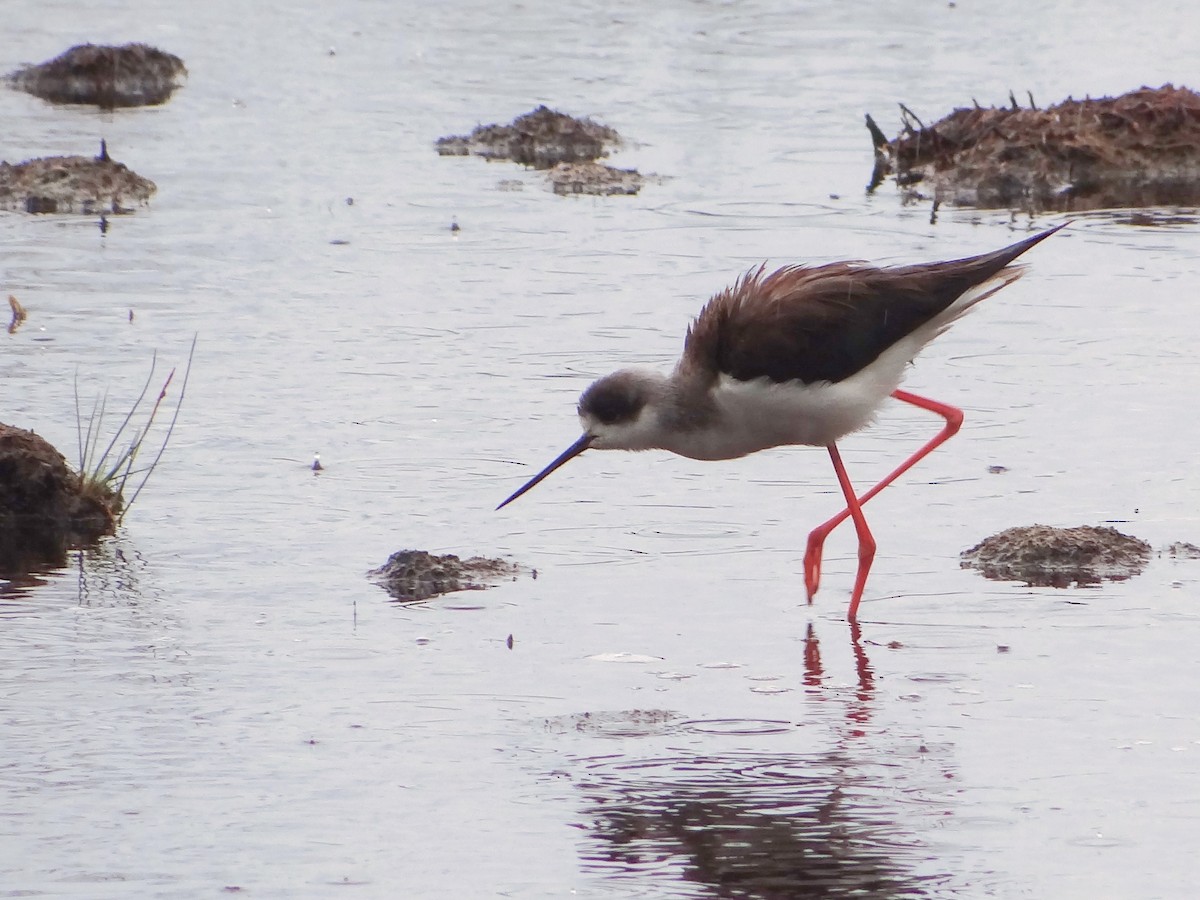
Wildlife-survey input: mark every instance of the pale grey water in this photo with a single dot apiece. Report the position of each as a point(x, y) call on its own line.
point(217, 698)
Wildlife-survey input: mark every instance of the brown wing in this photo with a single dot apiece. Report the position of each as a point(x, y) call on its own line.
point(824, 323)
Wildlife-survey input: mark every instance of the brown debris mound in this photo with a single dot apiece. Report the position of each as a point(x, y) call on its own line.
point(45, 508)
point(414, 575)
point(1139, 149)
point(1058, 557)
point(594, 178)
point(106, 76)
point(73, 184)
point(541, 139)
point(565, 147)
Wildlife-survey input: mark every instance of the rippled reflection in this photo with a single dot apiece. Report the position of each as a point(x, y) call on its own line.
point(835, 822)
point(756, 825)
point(859, 710)
point(109, 573)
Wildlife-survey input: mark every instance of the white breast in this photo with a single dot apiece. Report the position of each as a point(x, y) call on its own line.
point(759, 414)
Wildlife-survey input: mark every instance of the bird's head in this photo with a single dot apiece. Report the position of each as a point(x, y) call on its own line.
point(618, 412)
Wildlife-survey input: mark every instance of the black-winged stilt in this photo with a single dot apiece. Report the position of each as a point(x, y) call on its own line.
point(804, 355)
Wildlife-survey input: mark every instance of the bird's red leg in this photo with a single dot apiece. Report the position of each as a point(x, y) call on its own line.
point(866, 543)
point(816, 539)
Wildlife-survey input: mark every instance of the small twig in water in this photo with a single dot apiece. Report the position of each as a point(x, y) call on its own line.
point(18, 314)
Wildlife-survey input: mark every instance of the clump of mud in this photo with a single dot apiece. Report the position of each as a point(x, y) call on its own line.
point(414, 575)
point(46, 509)
point(566, 147)
point(594, 178)
point(541, 139)
point(106, 76)
point(1139, 149)
point(73, 184)
point(1058, 557)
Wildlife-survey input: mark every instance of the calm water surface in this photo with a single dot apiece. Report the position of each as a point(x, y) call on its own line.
point(217, 698)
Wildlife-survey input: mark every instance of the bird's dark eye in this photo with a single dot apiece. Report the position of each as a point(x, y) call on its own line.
point(615, 398)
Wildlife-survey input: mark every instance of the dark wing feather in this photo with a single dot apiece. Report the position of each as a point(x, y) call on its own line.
point(824, 323)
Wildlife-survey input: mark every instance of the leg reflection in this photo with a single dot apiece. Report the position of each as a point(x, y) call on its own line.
point(858, 710)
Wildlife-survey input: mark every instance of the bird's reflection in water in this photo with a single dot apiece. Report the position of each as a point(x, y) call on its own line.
point(858, 711)
point(839, 821)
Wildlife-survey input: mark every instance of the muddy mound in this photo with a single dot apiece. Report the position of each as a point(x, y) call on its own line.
point(414, 575)
point(566, 147)
point(45, 508)
point(73, 184)
point(594, 178)
point(542, 139)
point(1139, 149)
point(1183, 550)
point(1058, 557)
point(105, 76)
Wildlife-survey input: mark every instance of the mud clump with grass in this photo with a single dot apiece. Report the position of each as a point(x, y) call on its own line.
point(104, 76)
point(46, 508)
point(565, 147)
point(1045, 556)
point(414, 575)
point(88, 185)
point(1139, 149)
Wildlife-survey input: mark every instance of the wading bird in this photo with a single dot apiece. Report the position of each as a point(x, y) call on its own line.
point(804, 355)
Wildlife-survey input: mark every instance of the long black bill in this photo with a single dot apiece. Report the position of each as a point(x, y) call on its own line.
point(566, 456)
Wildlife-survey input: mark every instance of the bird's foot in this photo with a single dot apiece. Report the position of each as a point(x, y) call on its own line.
point(812, 564)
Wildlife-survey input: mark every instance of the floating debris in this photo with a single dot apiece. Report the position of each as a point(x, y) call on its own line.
point(1058, 557)
point(594, 178)
point(566, 147)
point(104, 76)
point(541, 139)
point(414, 575)
point(73, 184)
point(18, 314)
point(1184, 550)
point(1140, 149)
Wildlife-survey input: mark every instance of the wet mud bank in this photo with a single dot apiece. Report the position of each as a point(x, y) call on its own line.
point(46, 508)
point(411, 576)
point(567, 148)
point(1136, 150)
point(104, 76)
point(87, 185)
point(1045, 556)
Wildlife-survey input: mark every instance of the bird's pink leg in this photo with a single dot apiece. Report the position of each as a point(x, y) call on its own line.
point(816, 539)
point(866, 543)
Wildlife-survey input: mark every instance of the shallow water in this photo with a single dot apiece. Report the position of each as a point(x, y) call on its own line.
point(219, 698)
